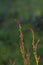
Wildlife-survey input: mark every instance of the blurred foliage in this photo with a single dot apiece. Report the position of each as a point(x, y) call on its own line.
point(26, 11)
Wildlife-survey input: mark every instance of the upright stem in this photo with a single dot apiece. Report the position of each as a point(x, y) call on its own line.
point(35, 46)
point(22, 44)
point(25, 56)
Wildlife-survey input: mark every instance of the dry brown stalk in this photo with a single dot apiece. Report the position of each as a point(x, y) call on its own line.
point(25, 56)
point(35, 47)
point(22, 44)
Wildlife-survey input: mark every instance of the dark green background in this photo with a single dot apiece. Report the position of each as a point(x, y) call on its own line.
point(9, 32)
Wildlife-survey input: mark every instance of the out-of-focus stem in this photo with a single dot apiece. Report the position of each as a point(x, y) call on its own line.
point(35, 47)
point(22, 44)
point(25, 56)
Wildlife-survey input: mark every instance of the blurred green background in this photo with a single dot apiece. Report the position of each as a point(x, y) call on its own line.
point(25, 11)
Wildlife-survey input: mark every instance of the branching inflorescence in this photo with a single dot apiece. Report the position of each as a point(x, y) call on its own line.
point(26, 56)
point(35, 45)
